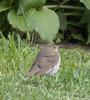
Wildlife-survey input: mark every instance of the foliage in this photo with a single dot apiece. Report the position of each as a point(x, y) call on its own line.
point(40, 16)
point(3, 6)
point(87, 3)
point(71, 82)
point(27, 4)
point(74, 19)
point(45, 24)
point(31, 15)
point(86, 20)
point(41, 21)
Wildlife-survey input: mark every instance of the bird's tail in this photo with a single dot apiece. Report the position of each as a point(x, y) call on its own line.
point(32, 72)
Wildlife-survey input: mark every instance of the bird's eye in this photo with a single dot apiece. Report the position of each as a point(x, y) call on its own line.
point(54, 47)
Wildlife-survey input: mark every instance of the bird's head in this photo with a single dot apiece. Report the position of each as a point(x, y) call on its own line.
point(50, 49)
point(55, 48)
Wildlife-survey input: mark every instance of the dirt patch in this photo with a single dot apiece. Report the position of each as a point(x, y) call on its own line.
point(75, 45)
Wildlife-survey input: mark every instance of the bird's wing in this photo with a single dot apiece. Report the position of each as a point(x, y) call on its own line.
point(43, 65)
point(47, 63)
point(40, 67)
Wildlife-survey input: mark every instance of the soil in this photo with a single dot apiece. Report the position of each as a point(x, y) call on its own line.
point(75, 45)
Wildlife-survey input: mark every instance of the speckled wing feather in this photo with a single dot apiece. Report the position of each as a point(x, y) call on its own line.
point(46, 64)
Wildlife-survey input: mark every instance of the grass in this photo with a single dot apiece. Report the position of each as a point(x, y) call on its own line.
point(72, 82)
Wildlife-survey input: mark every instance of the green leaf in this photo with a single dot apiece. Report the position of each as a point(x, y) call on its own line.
point(45, 22)
point(27, 4)
point(18, 21)
point(63, 20)
point(88, 41)
point(77, 36)
point(3, 6)
point(86, 17)
point(9, 1)
point(76, 33)
point(86, 2)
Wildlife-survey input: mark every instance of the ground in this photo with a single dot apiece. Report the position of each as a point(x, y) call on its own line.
point(72, 82)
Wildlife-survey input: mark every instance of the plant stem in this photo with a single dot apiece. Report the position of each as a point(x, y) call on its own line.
point(32, 39)
point(64, 2)
point(19, 41)
point(75, 24)
point(72, 14)
point(67, 7)
point(61, 4)
point(27, 34)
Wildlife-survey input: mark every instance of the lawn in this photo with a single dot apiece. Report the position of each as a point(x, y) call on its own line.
point(72, 82)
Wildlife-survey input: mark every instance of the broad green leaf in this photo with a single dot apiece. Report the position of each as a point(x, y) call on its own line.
point(86, 2)
point(88, 41)
point(18, 21)
point(27, 4)
point(3, 6)
point(45, 22)
point(63, 20)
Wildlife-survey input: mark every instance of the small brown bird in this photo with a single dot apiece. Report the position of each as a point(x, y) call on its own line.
point(46, 62)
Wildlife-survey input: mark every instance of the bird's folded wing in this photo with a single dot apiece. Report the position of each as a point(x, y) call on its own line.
point(40, 67)
point(48, 61)
point(45, 64)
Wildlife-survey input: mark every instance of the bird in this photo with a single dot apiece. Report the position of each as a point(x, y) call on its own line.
point(46, 62)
